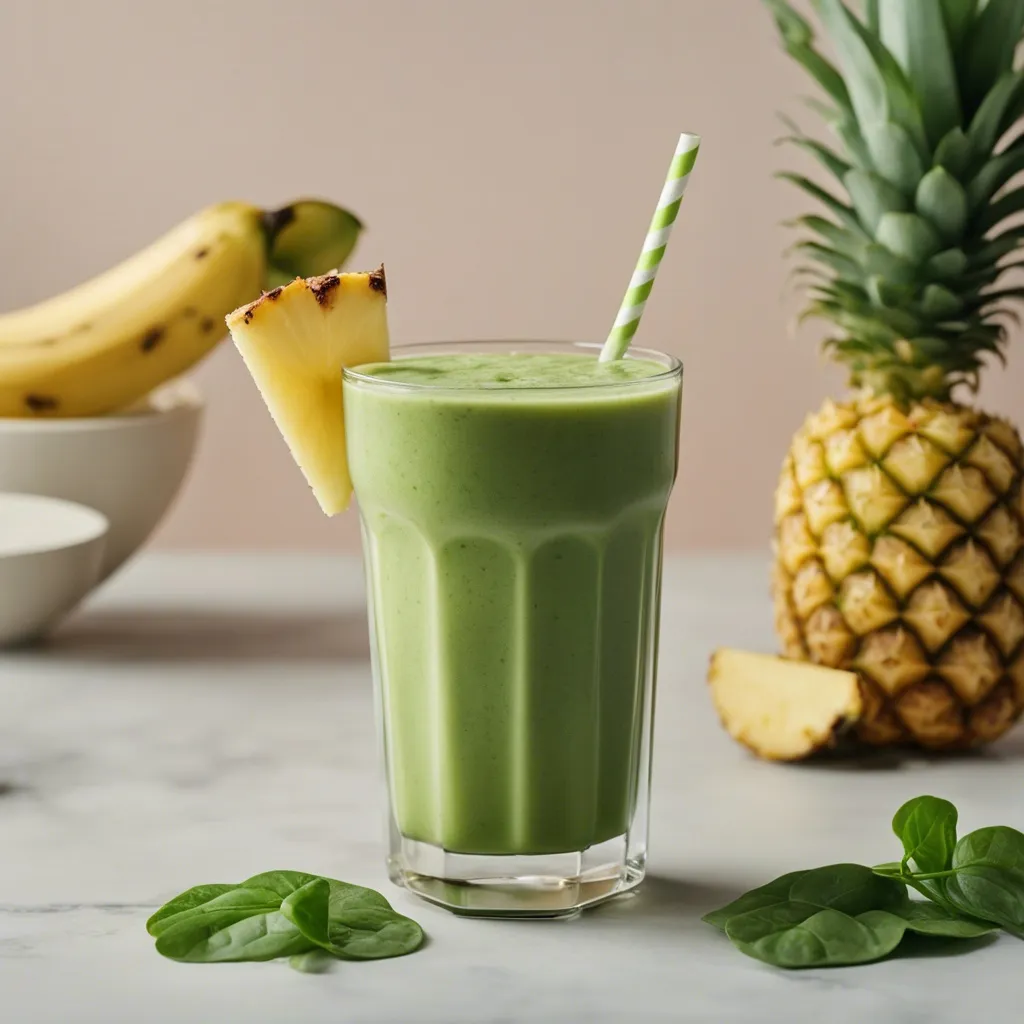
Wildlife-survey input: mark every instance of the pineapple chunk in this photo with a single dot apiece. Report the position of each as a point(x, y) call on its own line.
point(782, 710)
point(295, 341)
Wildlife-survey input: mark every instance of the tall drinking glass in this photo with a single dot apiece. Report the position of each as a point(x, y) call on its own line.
point(513, 547)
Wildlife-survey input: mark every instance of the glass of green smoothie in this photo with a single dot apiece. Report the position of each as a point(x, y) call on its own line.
point(512, 497)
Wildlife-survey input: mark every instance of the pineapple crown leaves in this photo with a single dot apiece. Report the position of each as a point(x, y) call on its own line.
point(922, 99)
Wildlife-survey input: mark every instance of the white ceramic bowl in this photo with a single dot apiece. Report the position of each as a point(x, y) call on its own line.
point(51, 553)
point(128, 466)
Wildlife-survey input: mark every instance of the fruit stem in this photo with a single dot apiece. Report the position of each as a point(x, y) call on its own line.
point(274, 221)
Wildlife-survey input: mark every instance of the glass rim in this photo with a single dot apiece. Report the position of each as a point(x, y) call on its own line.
point(673, 366)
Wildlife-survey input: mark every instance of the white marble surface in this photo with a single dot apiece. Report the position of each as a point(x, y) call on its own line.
point(206, 717)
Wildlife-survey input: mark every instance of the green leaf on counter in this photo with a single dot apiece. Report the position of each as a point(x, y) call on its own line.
point(290, 914)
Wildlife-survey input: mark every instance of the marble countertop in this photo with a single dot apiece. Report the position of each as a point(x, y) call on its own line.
point(207, 717)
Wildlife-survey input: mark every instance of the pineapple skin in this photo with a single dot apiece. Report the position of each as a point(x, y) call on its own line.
point(899, 553)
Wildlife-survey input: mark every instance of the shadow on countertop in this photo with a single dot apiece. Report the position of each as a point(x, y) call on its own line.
point(667, 902)
point(207, 635)
point(887, 759)
point(923, 947)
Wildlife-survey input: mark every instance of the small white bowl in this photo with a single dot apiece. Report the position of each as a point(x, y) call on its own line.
point(51, 553)
point(129, 466)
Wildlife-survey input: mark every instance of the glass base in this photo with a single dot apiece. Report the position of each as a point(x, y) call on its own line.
point(545, 886)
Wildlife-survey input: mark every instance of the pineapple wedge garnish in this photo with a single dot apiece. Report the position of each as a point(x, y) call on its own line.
point(782, 710)
point(295, 340)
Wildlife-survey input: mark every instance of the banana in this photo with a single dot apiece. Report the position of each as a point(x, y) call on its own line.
point(103, 345)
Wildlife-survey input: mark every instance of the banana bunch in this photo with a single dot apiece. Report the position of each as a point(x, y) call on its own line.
point(110, 341)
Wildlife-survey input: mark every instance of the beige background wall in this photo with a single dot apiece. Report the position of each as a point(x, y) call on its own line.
point(505, 155)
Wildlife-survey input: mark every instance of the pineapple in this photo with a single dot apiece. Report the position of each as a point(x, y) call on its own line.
point(782, 710)
point(899, 515)
point(295, 340)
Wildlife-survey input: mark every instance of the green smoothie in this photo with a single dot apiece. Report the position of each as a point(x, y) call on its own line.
point(512, 510)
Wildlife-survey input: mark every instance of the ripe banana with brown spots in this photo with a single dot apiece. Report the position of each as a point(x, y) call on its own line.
point(101, 346)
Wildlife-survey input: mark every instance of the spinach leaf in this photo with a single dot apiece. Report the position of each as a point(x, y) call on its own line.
point(930, 888)
point(260, 919)
point(241, 923)
point(926, 826)
point(351, 922)
point(774, 892)
point(842, 918)
point(931, 919)
point(188, 900)
point(830, 916)
point(246, 901)
point(889, 869)
point(284, 883)
point(232, 933)
point(988, 879)
point(851, 914)
point(796, 935)
point(849, 888)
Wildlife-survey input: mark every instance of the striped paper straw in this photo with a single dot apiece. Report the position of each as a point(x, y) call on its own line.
point(642, 281)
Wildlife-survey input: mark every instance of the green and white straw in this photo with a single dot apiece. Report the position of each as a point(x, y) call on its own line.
point(642, 281)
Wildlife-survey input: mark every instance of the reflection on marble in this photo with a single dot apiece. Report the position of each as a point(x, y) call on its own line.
point(208, 717)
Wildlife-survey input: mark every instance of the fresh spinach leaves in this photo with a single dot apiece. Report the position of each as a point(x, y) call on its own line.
point(851, 914)
point(284, 883)
point(802, 935)
point(933, 919)
point(188, 900)
point(232, 934)
point(987, 878)
point(282, 914)
point(840, 914)
point(764, 896)
point(849, 889)
point(926, 826)
point(351, 922)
